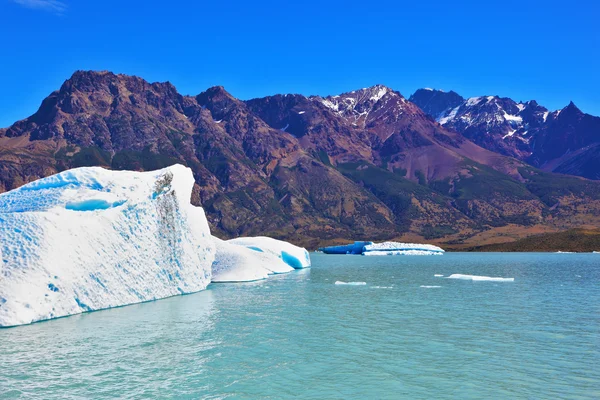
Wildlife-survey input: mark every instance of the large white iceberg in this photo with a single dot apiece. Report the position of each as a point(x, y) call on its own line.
point(237, 263)
point(90, 238)
point(396, 248)
point(294, 256)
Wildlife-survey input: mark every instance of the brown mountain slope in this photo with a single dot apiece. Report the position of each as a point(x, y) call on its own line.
point(362, 165)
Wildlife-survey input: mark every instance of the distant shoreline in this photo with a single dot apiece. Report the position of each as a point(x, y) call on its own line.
point(572, 240)
point(578, 240)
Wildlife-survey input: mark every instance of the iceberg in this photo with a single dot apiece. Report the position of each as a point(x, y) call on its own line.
point(480, 278)
point(294, 256)
point(396, 248)
point(384, 249)
point(350, 283)
point(236, 263)
point(88, 239)
point(352, 248)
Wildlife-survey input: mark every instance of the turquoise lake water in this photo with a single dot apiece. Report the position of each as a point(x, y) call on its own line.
point(301, 336)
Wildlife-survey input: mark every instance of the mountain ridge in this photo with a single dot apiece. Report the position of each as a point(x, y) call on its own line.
point(366, 164)
point(524, 130)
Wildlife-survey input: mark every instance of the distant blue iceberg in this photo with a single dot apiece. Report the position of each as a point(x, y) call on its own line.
point(352, 248)
point(384, 249)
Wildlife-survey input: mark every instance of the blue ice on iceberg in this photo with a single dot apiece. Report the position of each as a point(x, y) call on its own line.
point(294, 256)
point(352, 248)
point(238, 263)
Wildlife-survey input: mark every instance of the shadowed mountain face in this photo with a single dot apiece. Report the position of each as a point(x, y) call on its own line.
point(564, 141)
point(361, 165)
point(436, 102)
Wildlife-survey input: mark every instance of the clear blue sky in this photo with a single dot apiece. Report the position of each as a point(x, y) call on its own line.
point(543, 50)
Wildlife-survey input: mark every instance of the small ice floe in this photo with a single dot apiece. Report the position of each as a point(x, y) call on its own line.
point(350, 283)
point(381, 287)
point(565, 252)
point(301, 112)
point(430, 286)
point(480, 278)
point(438, 275)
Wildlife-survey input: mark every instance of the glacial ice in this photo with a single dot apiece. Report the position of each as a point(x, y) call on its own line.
point(352, 248)
point(384, 249)
point(396, 248)
point(480, 278)
point(89, 238)
point(237, 263)
point(350, 283)
point(294, 256)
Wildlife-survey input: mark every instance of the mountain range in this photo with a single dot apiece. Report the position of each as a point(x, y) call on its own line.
point(368, 164)
point(565, 141)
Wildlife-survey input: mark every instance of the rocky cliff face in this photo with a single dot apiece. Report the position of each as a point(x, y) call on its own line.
point(367, 164)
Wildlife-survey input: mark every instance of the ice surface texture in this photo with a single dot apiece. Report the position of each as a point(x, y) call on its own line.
point(90, 238)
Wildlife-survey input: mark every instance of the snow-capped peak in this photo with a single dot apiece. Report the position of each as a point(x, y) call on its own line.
point(381, 91)
point(366, 103)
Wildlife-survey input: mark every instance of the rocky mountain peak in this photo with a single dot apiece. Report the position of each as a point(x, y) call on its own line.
point(219, 101)
point(435, 102)
point(571, 109)
point(362, 105)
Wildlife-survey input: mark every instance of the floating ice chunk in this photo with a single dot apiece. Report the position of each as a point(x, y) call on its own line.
point(396, 248)
point(350, 283)
point(352, 248)
point(235, 263)
point(480, 278)
point(430, 287)
point(381, 287)
point(402, 253)
point(294, 256)
point(438, 275)
point(89, 238)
